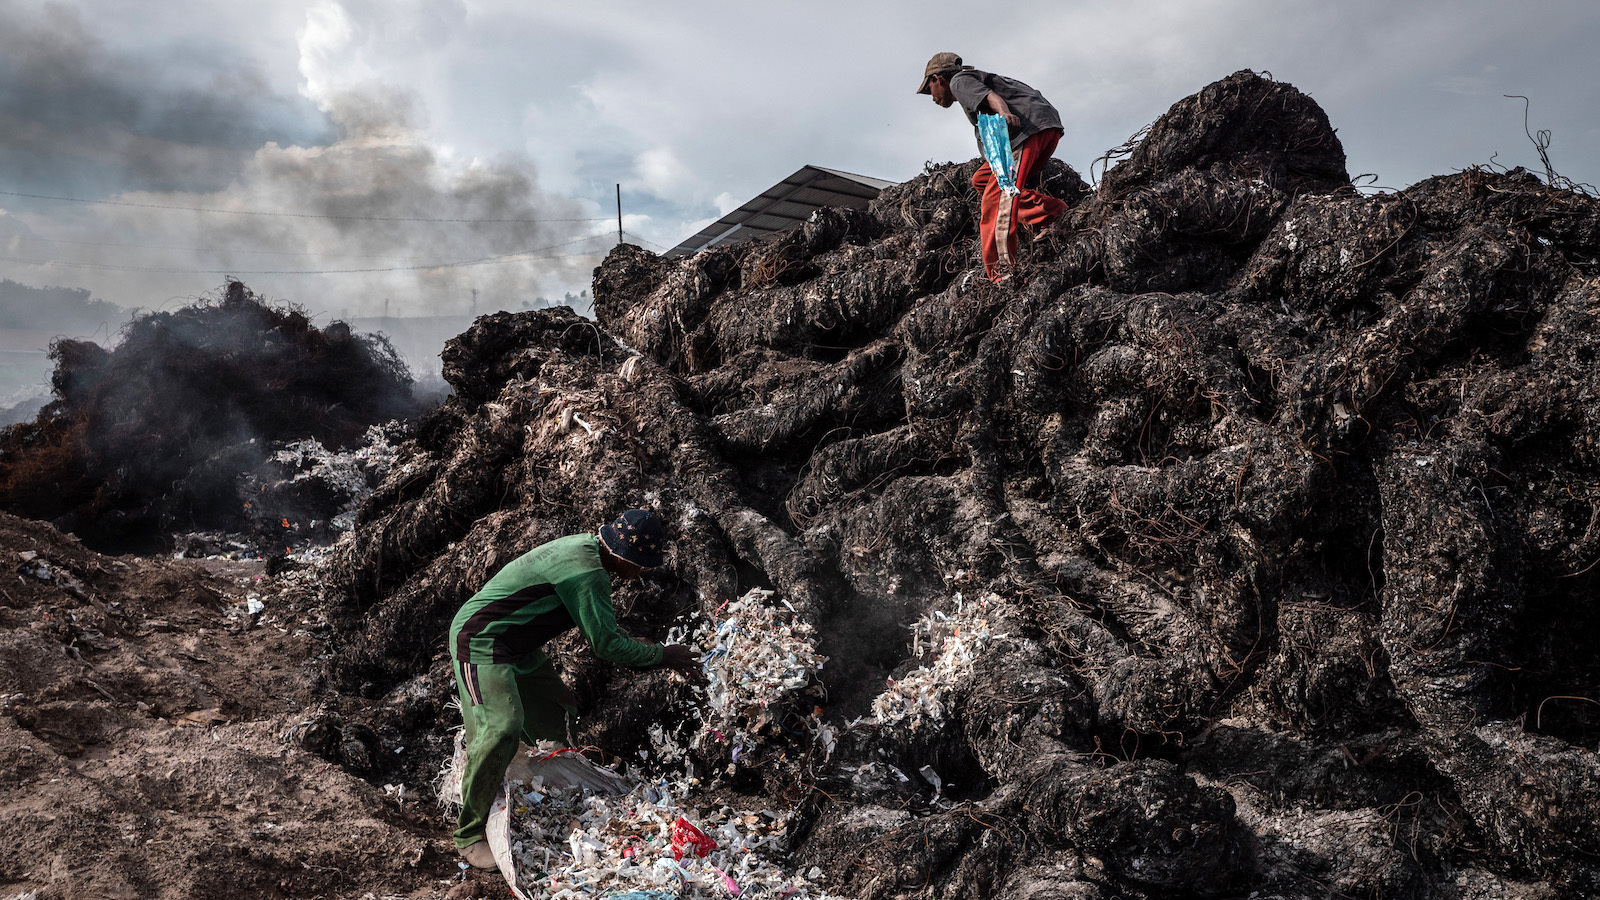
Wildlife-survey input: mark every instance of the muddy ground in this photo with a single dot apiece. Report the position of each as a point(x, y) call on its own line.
point(148, 741)
point(1282, 502)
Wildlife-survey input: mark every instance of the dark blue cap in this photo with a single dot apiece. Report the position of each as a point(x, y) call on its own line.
point(638, 537)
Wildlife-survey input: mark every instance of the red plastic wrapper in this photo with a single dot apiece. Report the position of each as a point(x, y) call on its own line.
point(688, 839)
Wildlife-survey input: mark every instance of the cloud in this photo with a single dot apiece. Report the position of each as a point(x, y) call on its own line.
point(78, 115)
point(355, 198)
point(357, 203)
point(11, 229)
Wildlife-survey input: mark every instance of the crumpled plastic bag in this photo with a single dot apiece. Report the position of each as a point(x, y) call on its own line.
point(995, 136)
point(686, 838)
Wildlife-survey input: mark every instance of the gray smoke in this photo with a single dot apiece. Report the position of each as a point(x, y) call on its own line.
point(372, 184)
point(78, 116)
point(183, 130)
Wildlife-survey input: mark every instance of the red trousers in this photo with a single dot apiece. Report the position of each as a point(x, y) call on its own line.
point(1000, 214)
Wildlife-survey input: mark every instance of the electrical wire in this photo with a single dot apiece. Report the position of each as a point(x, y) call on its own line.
point(218, 250)
point(643, 240)
point(520, 256)
point(293, 215)
point(225, 250)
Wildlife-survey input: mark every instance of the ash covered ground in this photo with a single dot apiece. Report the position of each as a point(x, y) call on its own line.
point(1261, 513)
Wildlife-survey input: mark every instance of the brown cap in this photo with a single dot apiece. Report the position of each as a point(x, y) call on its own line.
point(941, 63)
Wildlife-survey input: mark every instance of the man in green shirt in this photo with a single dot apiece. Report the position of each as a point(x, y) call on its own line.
point(509, 690)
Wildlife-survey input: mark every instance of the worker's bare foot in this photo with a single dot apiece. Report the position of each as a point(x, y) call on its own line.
point(479, 856)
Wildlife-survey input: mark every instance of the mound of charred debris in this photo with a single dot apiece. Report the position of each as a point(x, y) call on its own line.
point(174, 429)
point(1271, 512)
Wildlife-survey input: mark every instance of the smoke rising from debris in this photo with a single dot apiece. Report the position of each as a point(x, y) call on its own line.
point(155, 435)
point(350, 161)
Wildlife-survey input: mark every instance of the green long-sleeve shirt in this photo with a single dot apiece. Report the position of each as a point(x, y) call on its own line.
point(539, 595)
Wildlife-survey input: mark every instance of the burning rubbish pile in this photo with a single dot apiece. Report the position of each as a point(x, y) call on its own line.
point(306, 479)
point(285, 495)
point(756, 661)
point(1277, 500)
point(152, 438)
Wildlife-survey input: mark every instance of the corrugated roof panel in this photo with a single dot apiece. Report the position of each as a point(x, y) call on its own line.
point(773, 223)
point(876, 184)
point(798, 207)
point(784, 206)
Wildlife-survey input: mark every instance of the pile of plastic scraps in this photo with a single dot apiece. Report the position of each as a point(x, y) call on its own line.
point(570, 843)
point(755, 659)
point(950, 644)
point(213, 545)
point(874, 774)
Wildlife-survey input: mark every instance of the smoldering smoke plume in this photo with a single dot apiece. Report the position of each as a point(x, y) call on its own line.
point(81, 117)
point(354, 173)
point(378, 214)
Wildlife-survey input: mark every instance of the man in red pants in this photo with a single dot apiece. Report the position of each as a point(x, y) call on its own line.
point(1035, 128)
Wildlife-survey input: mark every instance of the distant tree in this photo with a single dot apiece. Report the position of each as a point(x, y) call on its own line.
point(576, 301)
point(59, 309)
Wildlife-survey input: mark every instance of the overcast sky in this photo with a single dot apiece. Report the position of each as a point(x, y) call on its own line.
point(341, 123)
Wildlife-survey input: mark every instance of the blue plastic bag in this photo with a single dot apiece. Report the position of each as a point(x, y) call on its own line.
point(995, 137)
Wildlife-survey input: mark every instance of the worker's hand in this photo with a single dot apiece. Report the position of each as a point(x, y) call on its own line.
point(681, 658)
point(998, 104)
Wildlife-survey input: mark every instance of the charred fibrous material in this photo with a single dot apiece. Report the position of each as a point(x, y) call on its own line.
point(152, 437)
point(1283, 500)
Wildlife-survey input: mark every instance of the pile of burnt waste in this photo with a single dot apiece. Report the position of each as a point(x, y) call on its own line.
point(181, 428)
point(1272, 511)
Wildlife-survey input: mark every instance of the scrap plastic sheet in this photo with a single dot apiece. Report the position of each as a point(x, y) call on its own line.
point(949, 644)
point(995, 136)
point(759, 658)
point(563, 828)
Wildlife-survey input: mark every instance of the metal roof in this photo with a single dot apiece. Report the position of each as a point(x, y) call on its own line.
point(784, 206)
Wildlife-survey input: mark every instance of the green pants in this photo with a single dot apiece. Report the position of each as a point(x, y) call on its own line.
point(503, 704)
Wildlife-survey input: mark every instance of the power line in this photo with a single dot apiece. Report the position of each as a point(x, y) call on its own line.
point(520, 256)
point(235, 250)
point(219, 250)
point(293, 215)
point(228, 271)
point(643, 240)
point(227, 250)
